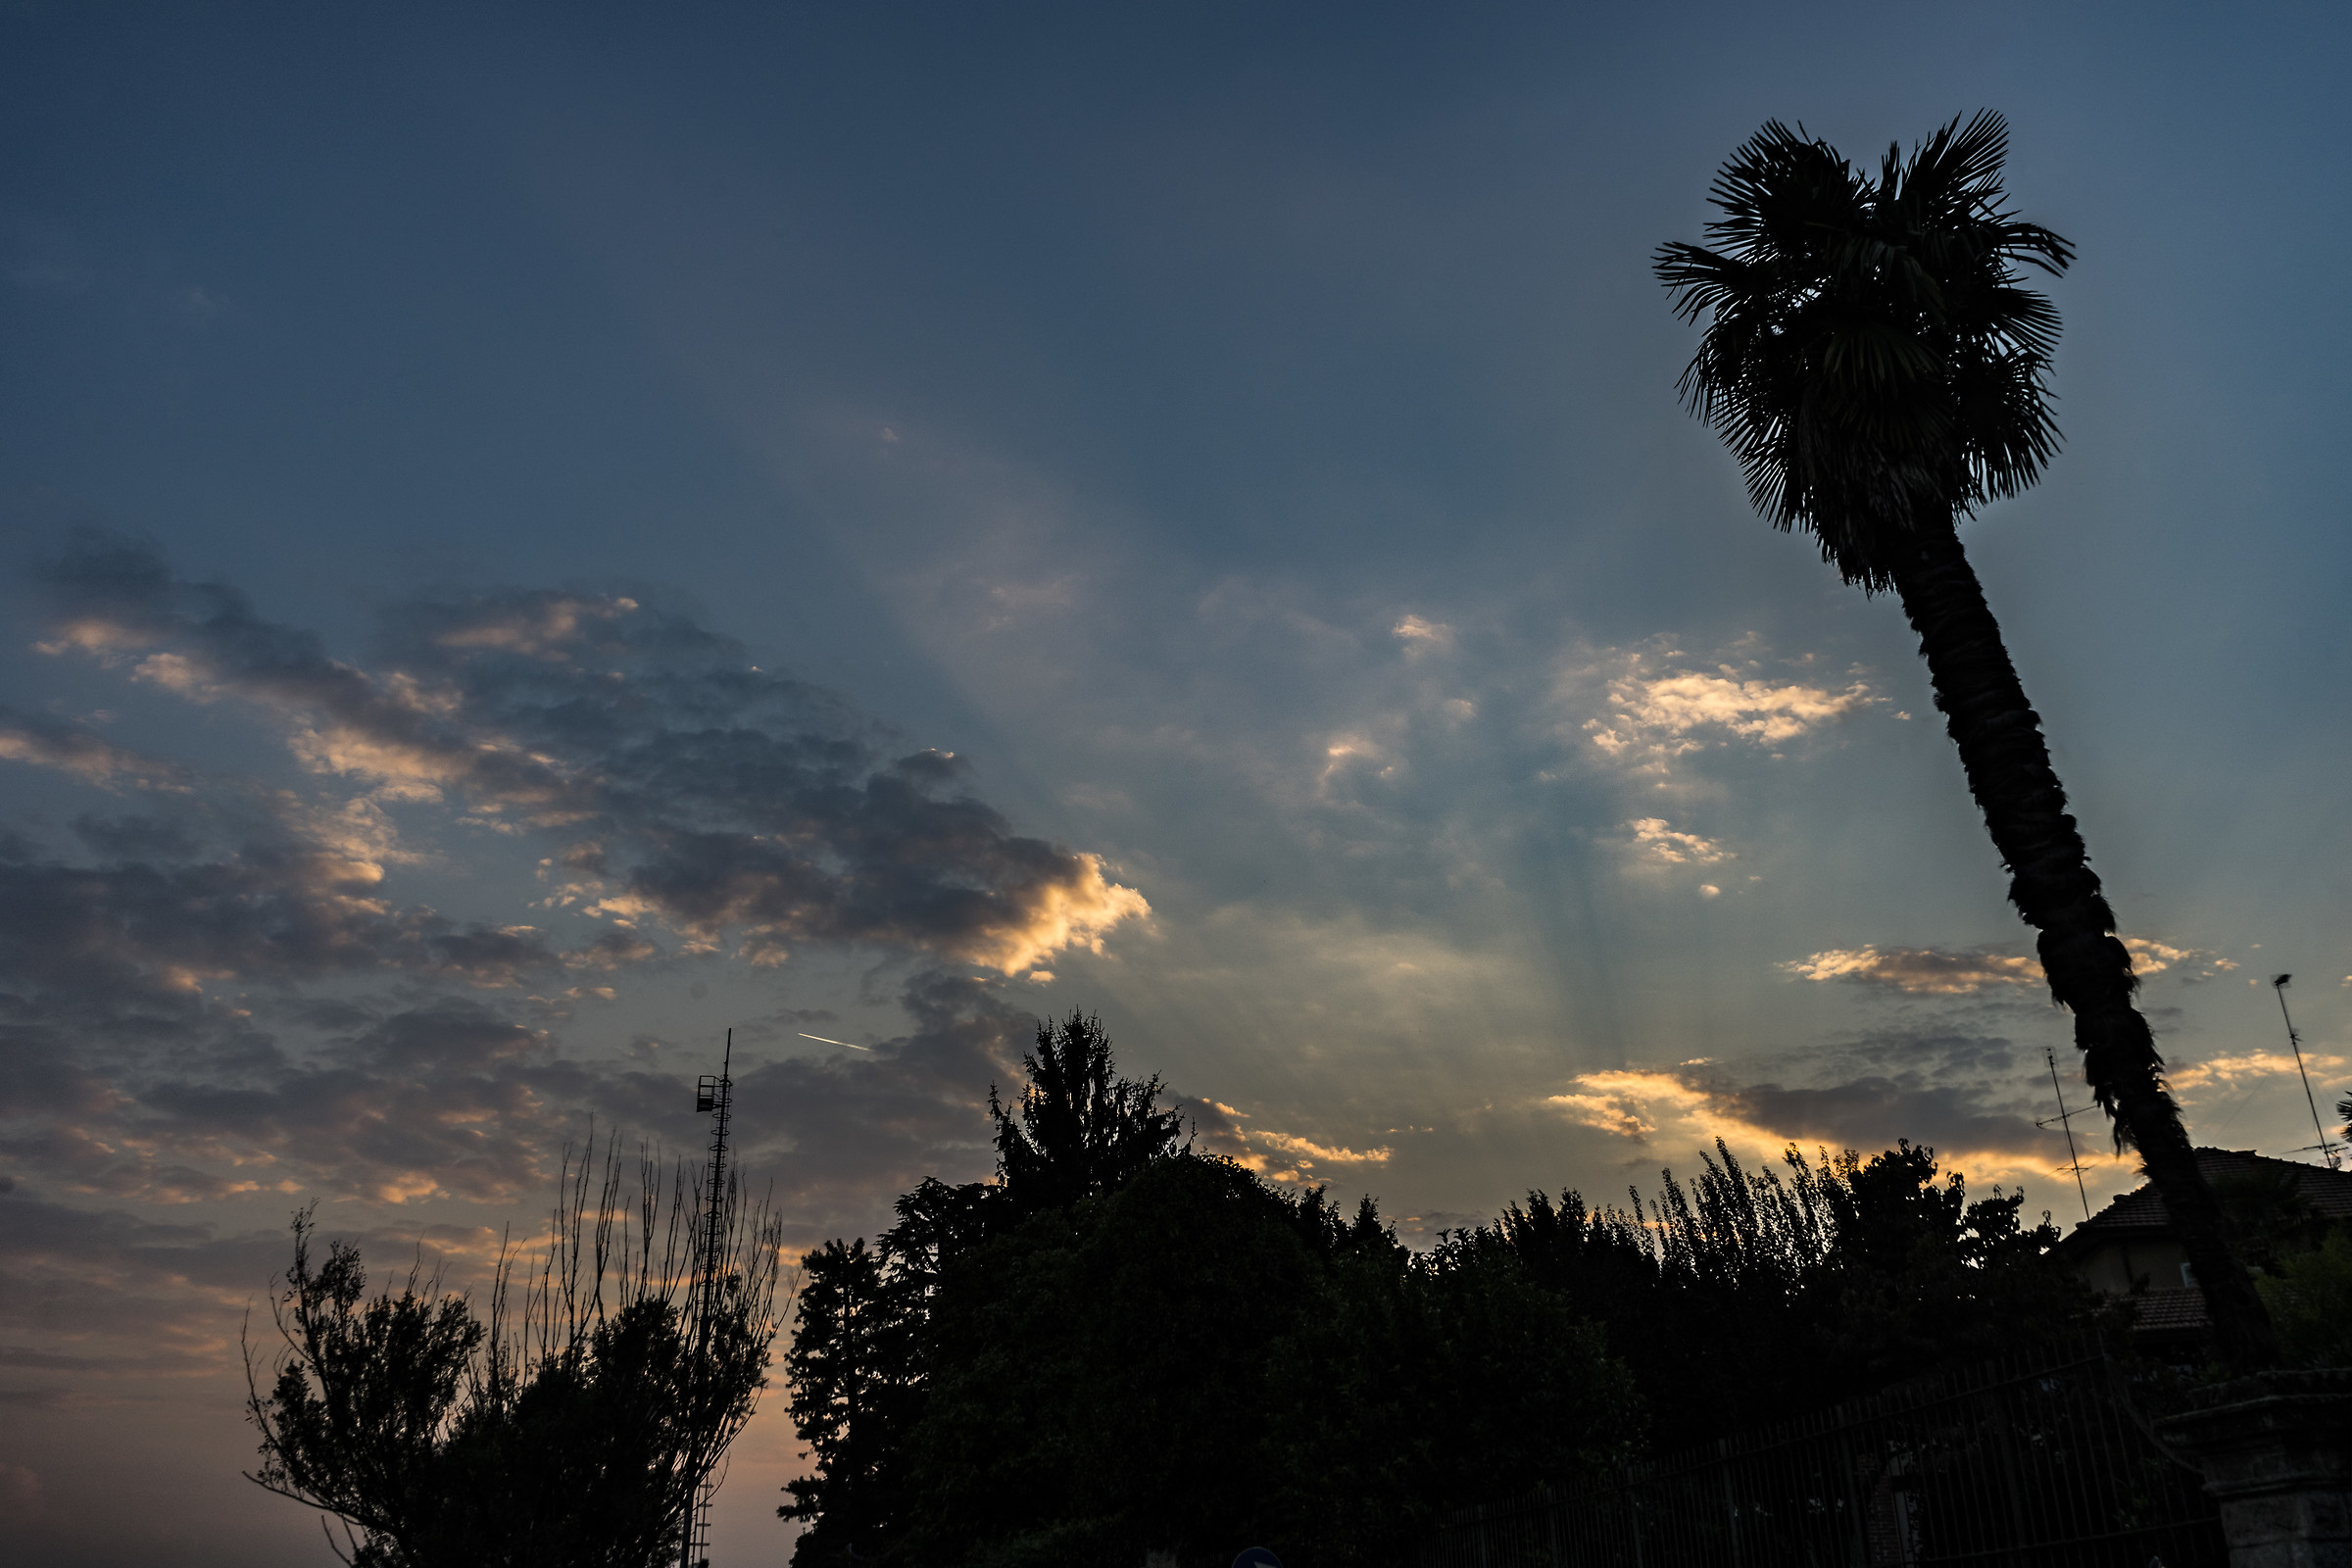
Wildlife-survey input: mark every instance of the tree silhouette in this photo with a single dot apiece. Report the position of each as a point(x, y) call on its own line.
point(1078, 1129)
point(1879, 371)
point(854, 1370)
point(861, 1359)
point(571, 1430)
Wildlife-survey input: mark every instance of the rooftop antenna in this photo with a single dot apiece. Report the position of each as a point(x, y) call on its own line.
point(2066, 1120)
point(2325, 1148)
point(714, 1098)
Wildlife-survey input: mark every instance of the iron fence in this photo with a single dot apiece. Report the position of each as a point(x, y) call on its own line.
point(2042, 1463)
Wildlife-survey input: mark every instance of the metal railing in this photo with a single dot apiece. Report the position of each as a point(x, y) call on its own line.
point(2041, 1462)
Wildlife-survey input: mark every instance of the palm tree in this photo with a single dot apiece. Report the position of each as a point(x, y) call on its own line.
point(1880, 372)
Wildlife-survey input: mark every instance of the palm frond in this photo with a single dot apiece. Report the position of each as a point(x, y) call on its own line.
point(1869, 352)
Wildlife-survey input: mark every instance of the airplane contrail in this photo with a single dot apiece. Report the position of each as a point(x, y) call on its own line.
point(805, 1035)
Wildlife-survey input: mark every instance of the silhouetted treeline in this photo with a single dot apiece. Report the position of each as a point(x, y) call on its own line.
point(1122, 1345)
point(1746, 1295)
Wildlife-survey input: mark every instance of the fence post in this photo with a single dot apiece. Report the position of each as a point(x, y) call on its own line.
point(2005, 1431)
point(2276, 1450)
point(1730, 1500)
point(1854, 1496)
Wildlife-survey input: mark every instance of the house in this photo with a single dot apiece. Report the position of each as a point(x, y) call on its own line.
point(2129, 1245)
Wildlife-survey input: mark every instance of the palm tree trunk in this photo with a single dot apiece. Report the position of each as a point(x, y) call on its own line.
point(2052, 885)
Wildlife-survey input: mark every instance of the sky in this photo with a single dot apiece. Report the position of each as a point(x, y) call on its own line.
point(532, 536)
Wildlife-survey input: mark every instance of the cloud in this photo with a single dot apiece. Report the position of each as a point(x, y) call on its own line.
point(1280, 1156)
point(75, 750)
point(2229, 1071)
point(1621, 1103)
point(274, 912)
point(236, 992)
point(453, 1100)
point(1920, 971)
point(1962, 971)
point(193, 1101)
point(1971, 1098)
point(1423, 636)
point(686, 789)
point(1655, 835)
point(2195, 964)
point(1305, 1154)
point(92, 1300)
point(1655, 708)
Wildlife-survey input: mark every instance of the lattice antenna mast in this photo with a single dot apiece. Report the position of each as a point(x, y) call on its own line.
point(2066, 1120)
point(714, 1098)
point(2325, 1148)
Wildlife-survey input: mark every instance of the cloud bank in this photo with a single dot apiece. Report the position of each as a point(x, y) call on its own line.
point(233, 985)
point(681, 788)
point(1963, 971)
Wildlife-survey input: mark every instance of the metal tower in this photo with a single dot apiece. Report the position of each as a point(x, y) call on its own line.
point(2066, 1120)
point(2325, 1148)
point(714, 1098)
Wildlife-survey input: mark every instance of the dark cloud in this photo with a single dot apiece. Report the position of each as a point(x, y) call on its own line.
point(1861, 1114)
point(449, 1097)
point(135, 838)
point(77, 750)
point(1954, 1091)
point(107, 1295)
point(1974, 1098)
point(186, 1007)
point(273, 913)
point(690, 789)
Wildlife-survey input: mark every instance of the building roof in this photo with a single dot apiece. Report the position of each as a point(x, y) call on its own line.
point(2166, 1313)
point(2141, 1212)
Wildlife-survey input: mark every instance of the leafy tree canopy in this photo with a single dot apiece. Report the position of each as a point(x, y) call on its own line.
point(573, 1434)
point(1078, 1129)
point(1857, 1273)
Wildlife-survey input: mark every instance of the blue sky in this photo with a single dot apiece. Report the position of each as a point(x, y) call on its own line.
point(533, 537)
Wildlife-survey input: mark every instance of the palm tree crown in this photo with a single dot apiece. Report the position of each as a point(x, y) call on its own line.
point(1872, 359)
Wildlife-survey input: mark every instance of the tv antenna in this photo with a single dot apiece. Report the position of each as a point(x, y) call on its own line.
point(2066, 1120)
point(2325, 1148)
point(713, 1097)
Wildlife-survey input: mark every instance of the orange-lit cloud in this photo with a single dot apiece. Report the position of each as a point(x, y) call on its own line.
point(724, 809)
point(1673, 1111)
point(1076, 909)
point(1960, 971)
point(70, 749)
point(2230, 1071)
point(1423, 636)
point(1920, 971)
point(1658, 837)
point(1652, 717)
point(1277, 1155)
